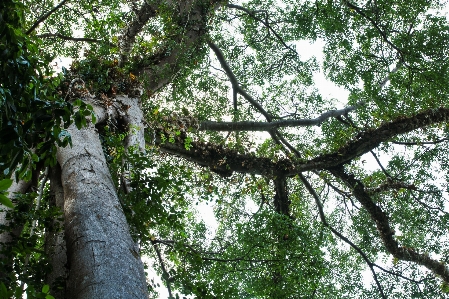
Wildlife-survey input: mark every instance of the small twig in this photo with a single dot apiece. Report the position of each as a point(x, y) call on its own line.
point(265, 23)
point(428, 207)
point(384, 36)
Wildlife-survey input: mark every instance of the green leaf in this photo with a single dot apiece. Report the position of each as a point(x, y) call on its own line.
point(6, 201)
point(78, 121)
point(45, 289)
point(5, 184)
point(3, 291)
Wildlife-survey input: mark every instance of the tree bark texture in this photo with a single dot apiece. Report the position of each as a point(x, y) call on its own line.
point(103, 260)
point(6, 237)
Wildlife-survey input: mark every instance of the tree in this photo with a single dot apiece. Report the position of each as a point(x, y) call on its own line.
point(158, 112)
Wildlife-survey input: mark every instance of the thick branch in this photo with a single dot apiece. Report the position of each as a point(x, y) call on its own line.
point(75, 39)
point(421, 143)
point(184, 45)
point(385, 231)
point(392, 185)
point(45, 16)
point(370, 139)
point(146, 12)
point(222, 159)
point(218, 158)
point(268, 126)
point(281, 201)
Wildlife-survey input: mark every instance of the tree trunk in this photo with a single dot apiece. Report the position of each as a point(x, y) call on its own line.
point(103, 260)
point(10, 231)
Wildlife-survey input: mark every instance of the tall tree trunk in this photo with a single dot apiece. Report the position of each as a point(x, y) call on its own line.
point(103, 260)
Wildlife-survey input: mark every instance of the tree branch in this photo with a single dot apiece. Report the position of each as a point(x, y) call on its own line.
point(387, 78)
point(234, 82)
point(370, 139)
point(338, 234)
point(188, 40)
point(391, 184)
point(226, 161)
point(166, 275)
point(218, 158)
point(268, 126)
point(421, 143)
point(384, 229)
point(384, 36)
point(387, 174)
point(75, 39)
point(281, 201)
point(44, 17)
point(265, 23)
point(146, 12)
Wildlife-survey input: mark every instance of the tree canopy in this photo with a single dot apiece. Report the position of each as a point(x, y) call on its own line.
point(311, 195)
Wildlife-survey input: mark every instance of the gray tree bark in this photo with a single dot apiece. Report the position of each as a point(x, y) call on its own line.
point(6, 237)
point(103, 260)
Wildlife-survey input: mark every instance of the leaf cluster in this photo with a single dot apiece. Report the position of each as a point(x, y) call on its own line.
point(31, 112)
point(30, 261)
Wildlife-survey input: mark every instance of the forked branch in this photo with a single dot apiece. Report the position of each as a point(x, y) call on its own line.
point(235, 83)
